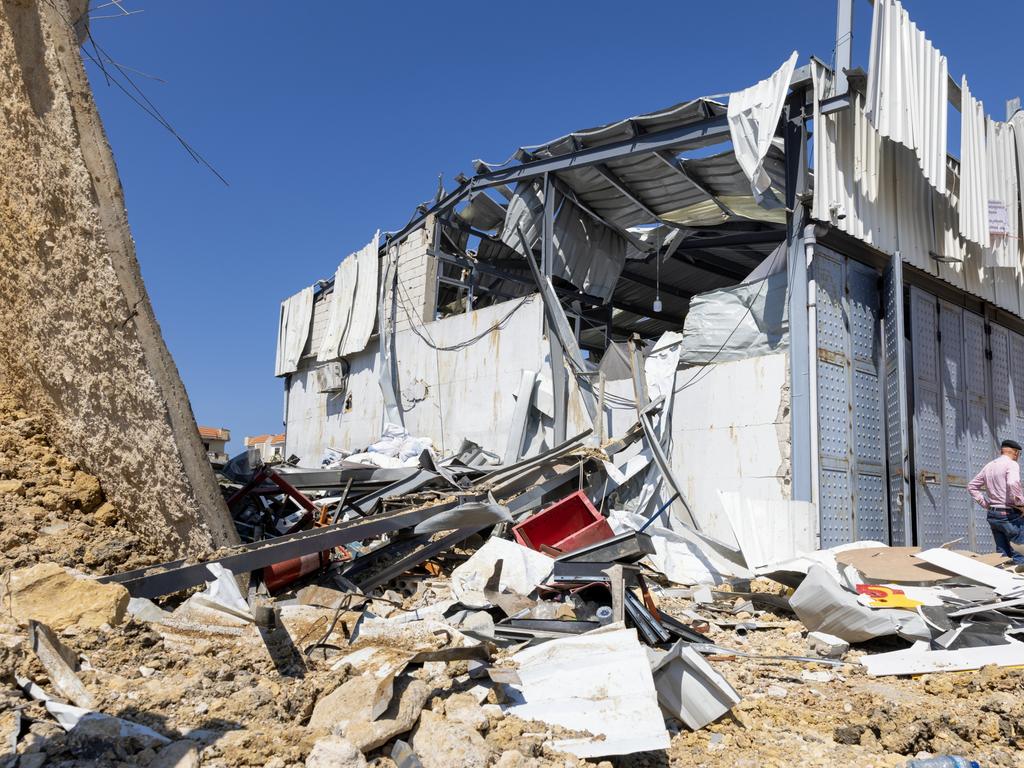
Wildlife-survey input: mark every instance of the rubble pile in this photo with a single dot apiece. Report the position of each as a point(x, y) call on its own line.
point(451, 611)
point(52, 511)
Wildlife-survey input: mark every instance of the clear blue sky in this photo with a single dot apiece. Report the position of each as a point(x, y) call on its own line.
point(332, 119)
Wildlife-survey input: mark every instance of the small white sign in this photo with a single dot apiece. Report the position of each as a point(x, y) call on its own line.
point(998, 218)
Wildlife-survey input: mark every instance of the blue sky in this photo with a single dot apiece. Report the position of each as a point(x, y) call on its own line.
point(332, 119)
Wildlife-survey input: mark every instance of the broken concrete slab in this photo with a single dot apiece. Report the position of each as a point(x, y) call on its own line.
point(178, 754)
point(827, 646)
point(442, 743)
point(465, 708)
point(335, 752)
point(363, 697)
point(59, 598)
point(60, 663)
point(406, 706)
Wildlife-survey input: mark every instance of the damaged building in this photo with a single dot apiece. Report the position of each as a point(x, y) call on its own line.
point(842, 297)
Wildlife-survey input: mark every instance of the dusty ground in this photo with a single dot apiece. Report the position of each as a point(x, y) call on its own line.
point(246, 699)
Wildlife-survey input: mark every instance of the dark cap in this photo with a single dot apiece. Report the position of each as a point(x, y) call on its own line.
point(1010, 444)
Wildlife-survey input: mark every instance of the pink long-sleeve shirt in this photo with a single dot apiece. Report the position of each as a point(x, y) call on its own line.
point(1001, 479)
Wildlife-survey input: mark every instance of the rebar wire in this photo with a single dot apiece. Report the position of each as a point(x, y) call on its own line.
point(141, 100)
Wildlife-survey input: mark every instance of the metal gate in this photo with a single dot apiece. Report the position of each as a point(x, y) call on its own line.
point(851, 447)
point(961, 389)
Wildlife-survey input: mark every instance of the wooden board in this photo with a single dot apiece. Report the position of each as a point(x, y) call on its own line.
point(899, 564)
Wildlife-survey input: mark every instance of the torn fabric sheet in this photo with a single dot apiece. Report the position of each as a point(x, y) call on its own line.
point(739, 322)
point(1004, 245)
point(907, 89)
point(600, 683)
point(974, 166)
point(293, 330)
point(822, 604)
point(364, 302)
point(753, 117)
point(340, 311)
point(585, 252)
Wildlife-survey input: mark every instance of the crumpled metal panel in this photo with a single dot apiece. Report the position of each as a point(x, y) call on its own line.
point(907, 89)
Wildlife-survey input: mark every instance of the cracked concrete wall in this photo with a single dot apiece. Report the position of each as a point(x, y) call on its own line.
point(78, 339)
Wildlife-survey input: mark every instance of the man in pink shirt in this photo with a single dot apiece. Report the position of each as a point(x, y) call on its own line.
point(997, 489)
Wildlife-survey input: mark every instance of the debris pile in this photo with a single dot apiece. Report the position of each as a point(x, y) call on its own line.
point(538, 613)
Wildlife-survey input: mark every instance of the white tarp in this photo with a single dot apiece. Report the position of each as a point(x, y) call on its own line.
point(907, 93)
point(293, 330)
point(1000, 148)
point(974, 168)
point(364, 302)
point(600, 683)
point(753, 117)
point(746, 320)
point(340, 311)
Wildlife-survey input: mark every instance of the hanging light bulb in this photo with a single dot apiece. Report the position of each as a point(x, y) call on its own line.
point(657, 281)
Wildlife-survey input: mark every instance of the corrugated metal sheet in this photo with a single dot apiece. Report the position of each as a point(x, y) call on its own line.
point(973, 168)
point(907, 89)
point(1004, 250)
point(874, 190)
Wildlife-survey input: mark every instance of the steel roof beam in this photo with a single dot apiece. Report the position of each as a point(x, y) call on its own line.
point(674, 163)
point(760, 237)
point(623, 189)
point(704, 132)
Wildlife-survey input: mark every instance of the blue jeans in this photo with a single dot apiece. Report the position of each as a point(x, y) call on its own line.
point(1008, 527)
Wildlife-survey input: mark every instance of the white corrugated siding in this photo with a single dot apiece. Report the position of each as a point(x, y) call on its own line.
point(873, 190)
point(907, 89)
point(973, 169)
point(1002, 187)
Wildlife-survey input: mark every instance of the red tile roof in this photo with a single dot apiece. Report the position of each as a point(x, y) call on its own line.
point(260, 439)
point(214, 433)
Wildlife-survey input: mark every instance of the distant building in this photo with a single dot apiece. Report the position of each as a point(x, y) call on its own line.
point(267, 447)
point(215, 440)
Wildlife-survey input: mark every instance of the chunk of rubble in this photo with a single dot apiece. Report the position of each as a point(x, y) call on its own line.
point(361, 698)
point(827, 646)
point(442, 743)
point(335, 752)
point(59, 598)
point(399, 718)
